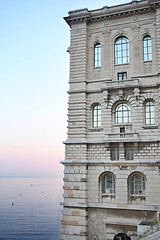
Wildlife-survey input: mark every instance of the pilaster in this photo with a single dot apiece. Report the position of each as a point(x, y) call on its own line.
point(158, 36)
point(74, 221)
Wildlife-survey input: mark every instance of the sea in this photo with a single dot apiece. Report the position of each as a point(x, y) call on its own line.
point(30, 208)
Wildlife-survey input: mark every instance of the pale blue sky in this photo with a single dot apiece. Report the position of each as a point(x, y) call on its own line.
point(34, 69)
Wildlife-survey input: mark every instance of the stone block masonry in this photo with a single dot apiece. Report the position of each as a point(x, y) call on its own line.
point(112, 153)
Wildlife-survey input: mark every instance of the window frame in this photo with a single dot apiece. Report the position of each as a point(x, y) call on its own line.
point(122, 116)
point(121, 50)
point(147, 48)
point(108, 186)
point(115, 153)
point(149, 114)
point(137, 186)
point(123, 76)
point(97, 55)
point(129, 153)
point(96, 116)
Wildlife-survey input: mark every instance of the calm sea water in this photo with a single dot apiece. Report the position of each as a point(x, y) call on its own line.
point(30, 208)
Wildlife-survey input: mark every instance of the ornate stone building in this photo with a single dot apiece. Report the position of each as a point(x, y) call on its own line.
point(112, 158)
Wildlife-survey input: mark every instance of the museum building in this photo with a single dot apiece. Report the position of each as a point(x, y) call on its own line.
point(112, 154)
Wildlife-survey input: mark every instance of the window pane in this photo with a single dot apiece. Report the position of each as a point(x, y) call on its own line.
point(129, 153)
point(147, 48)
point(103, 185)
point(97, 116)
point(121, 50)
point(147, 122)
point(108, 184)
point(122, 76)
point(149, 113)
point(137, 184)
point(97, 55)
point(115, 153)
point(122, 113)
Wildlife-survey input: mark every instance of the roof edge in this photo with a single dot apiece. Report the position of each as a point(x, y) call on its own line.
point(106, 12)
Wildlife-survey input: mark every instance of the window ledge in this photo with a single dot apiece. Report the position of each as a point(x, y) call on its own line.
point(150, 126)
point(96, 129)
point(104, 195)
point(148, 61)
point(121, 64)
point(97, 67)
point(121, 124)
point(138, 195)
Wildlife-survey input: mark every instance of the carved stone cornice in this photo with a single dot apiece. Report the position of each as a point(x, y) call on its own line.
point(84, 15)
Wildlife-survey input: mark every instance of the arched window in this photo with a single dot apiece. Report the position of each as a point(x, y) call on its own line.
point(147, 48)
point(108, 183)
point(137, 185)
point(149, 113)
point(97, 55)
point(122, 113)
point(96, 116)
point(121, 50)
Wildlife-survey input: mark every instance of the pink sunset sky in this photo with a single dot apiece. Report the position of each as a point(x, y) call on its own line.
point(34, 75)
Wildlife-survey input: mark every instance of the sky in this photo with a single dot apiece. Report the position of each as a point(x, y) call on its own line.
point(34, 75)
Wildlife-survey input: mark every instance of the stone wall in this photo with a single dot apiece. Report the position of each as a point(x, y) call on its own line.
point(88, 212)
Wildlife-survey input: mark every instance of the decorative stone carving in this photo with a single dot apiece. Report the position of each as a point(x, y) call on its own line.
point(135, 27)
point(105, 23)
point(96, 38)
point(121, 94)
point(94, 237)
point(89, 35)
point(135, 18)
point(105, 97)
point(136, 94)
point(120, 32)
point(146, 30)
point(107, 32)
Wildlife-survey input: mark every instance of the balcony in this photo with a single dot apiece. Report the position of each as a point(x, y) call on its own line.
point(121, 83)
point(124, 137)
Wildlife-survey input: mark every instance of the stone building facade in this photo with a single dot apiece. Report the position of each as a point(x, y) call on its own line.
point(112, 154)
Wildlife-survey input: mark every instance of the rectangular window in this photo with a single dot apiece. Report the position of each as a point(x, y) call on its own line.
point(121, 50)
point(147, 48)
point(122, 76)
point(115, 153)
point(129, 153)
point(138, 185)
point(97, 55)
point(122, 129)
point(149, 113)
point(96, 116)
